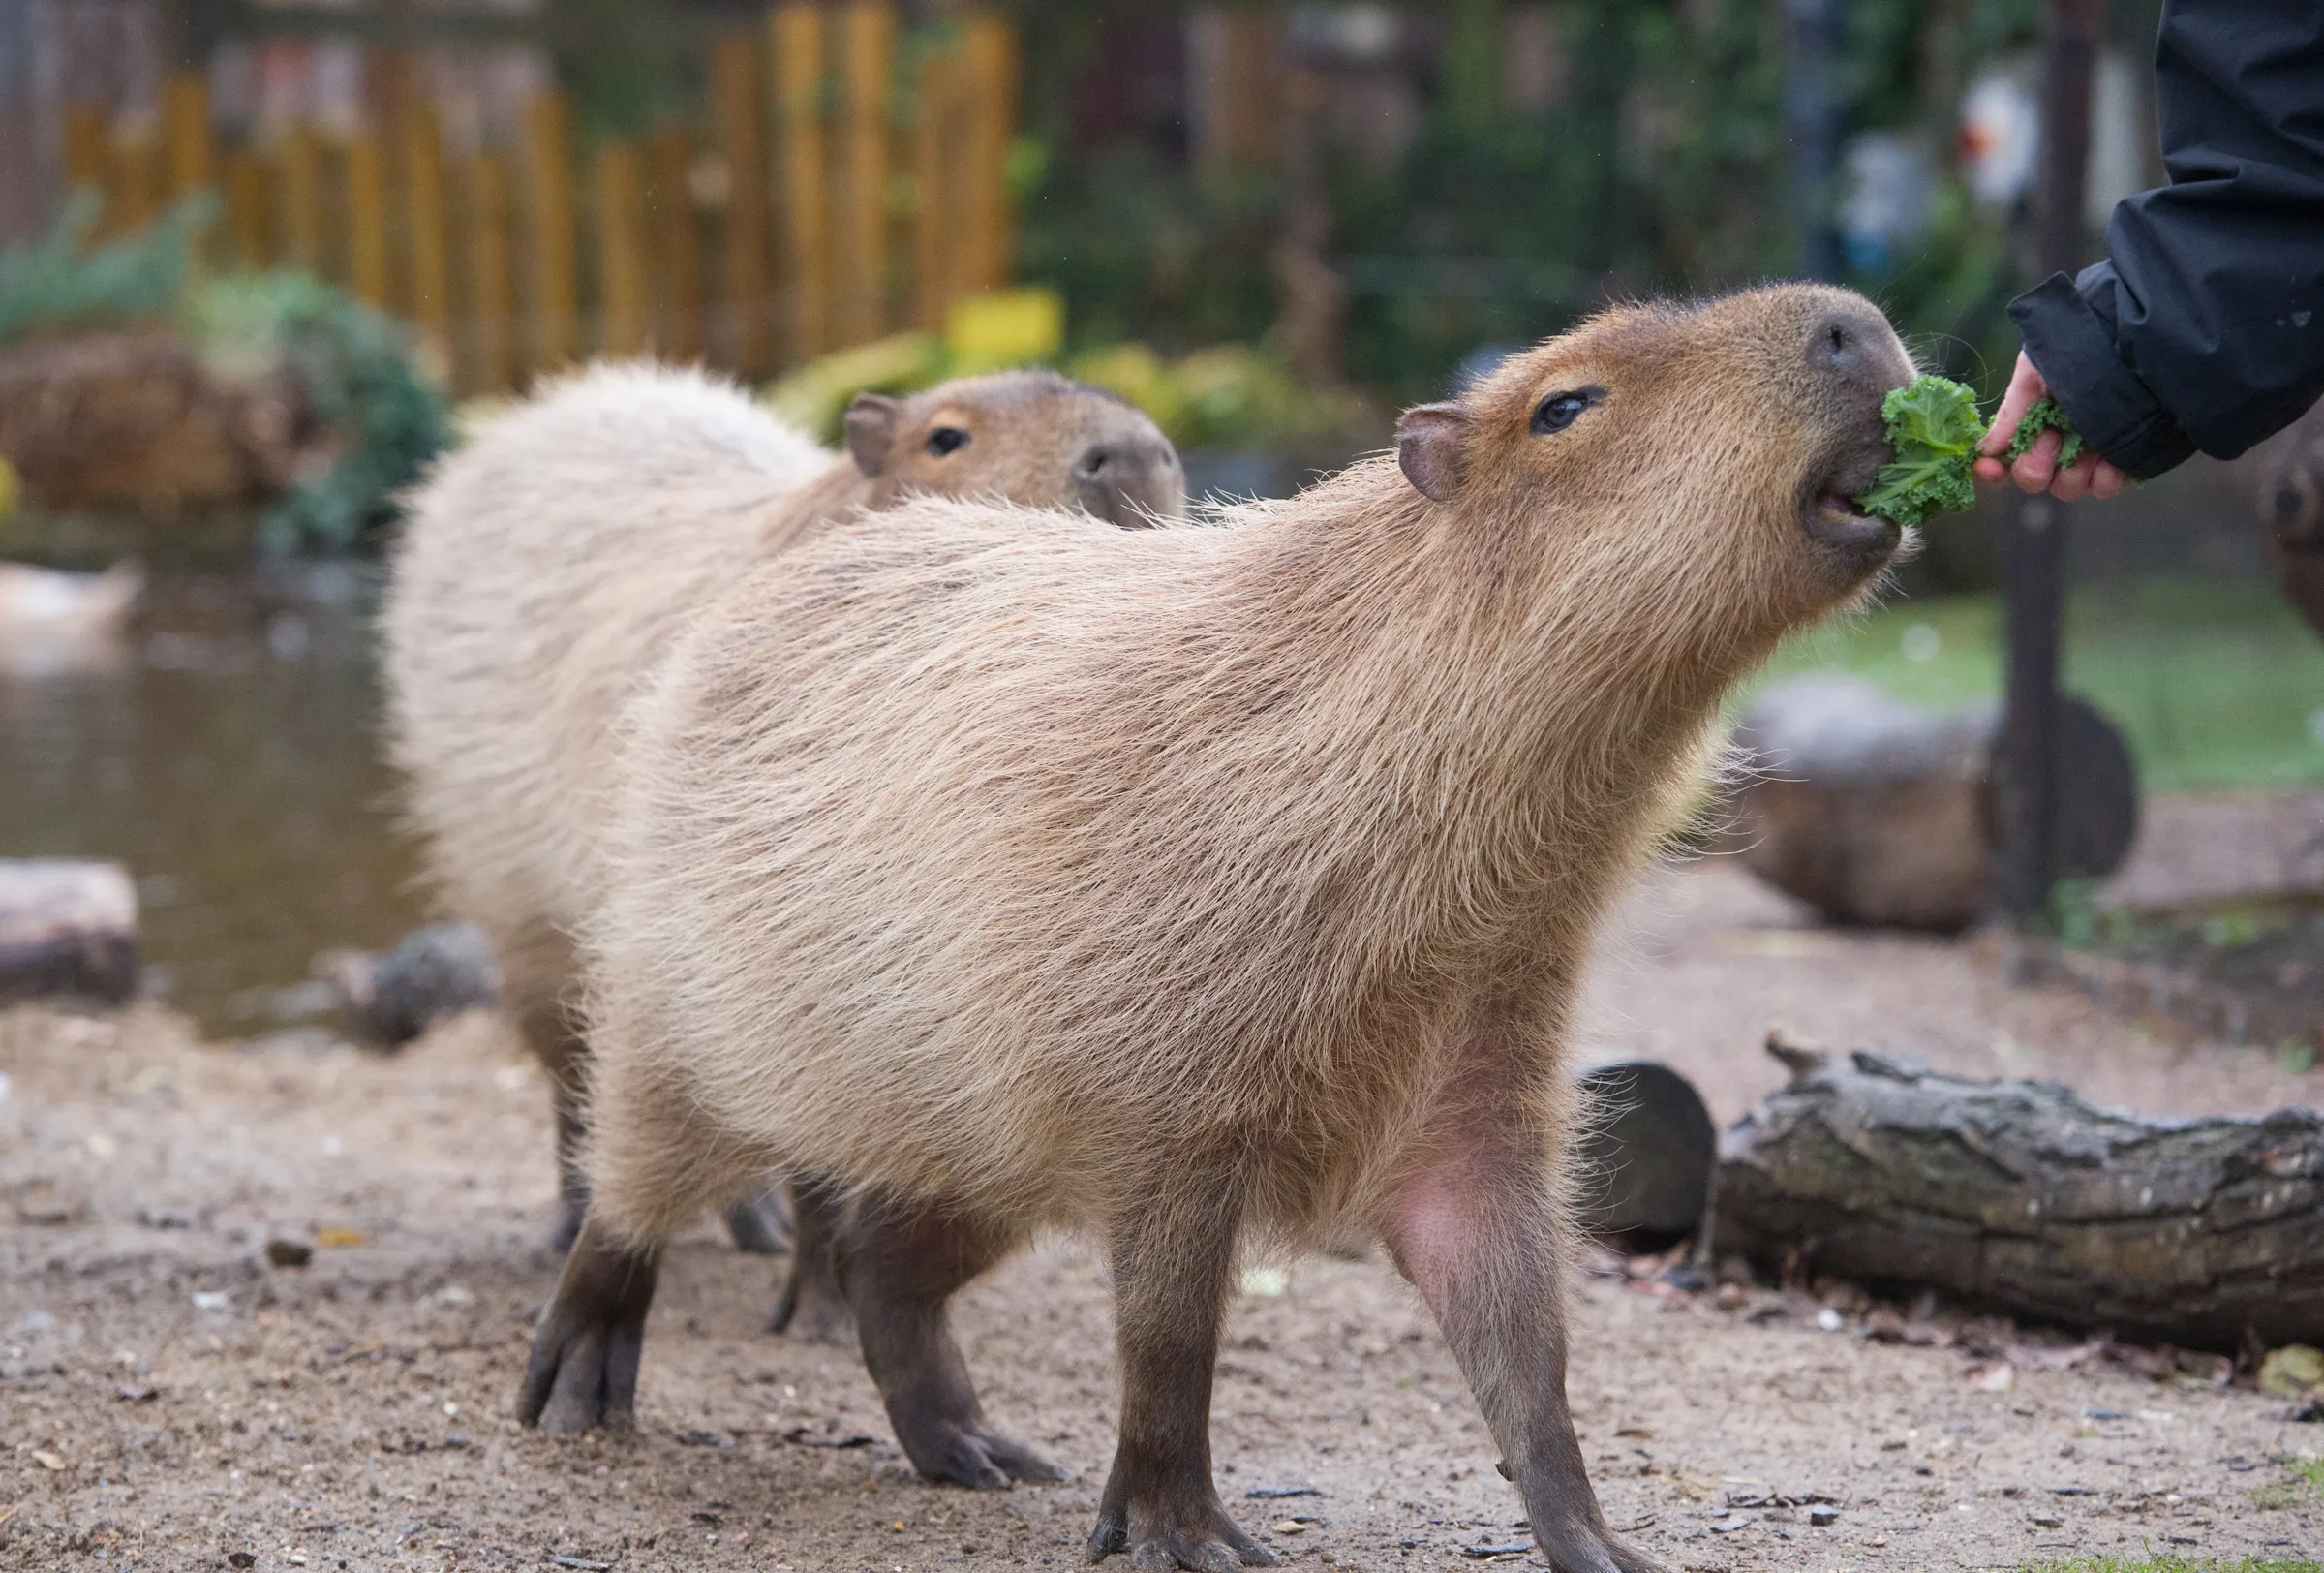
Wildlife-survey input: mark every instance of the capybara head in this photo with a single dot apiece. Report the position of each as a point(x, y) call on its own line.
point(1030, 436)
point(1707, 450)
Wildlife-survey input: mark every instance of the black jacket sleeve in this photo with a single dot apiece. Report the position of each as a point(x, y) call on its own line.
point(2204, 326)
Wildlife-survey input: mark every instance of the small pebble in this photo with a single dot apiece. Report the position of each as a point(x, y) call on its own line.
point(1830, 1321)
point(1824, 1517)
point(289, 1252)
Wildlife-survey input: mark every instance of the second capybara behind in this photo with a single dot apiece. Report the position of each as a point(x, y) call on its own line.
point(546, 567)
point(1002, 873)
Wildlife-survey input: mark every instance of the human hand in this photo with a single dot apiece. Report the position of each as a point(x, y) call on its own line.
point(2036, 469)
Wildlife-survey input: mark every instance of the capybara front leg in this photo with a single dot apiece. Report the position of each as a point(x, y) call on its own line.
point(583, 1374)
point(760, 1225)
point(553, 1035)
point(1171, 1266)
point(899, 1264)
point(1477, 1230)
point(811, 1304)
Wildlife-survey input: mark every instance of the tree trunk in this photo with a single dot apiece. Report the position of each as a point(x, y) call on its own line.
point(1874, 811)
point(2019, 1197)
point(67, 928)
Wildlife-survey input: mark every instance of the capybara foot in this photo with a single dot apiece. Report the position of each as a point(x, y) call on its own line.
point(1161, 1536)
point(963, 1453)
point(761, 1225)
point(583, 1374)
point(1582, 1545)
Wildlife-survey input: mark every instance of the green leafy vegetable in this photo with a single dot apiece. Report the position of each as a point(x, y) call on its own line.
point(2045, 416)
point(1934, 427)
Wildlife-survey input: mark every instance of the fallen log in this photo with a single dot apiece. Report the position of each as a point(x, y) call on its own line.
point(1874, 811)
point(1645, 1156)
point(2020, 1196)
point(67, 928)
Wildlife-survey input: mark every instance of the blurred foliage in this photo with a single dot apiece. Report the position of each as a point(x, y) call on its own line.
point(56, 284)
point(1664, 165)
point(1229, 395)
point(362, 384)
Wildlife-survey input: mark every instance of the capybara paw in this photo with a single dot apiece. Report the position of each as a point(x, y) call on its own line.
point(584, 1380)
point(954, 1453)
point(1204, 1540)
point(761, 1225)
point(1581, 1546)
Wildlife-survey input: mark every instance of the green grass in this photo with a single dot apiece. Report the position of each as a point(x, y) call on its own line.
point(2216, 683)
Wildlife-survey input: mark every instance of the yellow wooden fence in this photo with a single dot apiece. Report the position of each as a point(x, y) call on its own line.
point(824, 200)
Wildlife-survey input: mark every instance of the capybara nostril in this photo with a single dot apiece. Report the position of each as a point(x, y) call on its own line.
point(1855, 347)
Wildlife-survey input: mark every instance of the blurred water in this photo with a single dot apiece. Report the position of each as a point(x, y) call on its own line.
point(226, 750)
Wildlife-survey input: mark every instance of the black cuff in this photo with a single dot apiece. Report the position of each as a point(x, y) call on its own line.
point(2114, 412)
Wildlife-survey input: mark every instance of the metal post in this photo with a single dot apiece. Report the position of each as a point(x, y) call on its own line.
point(2033, 554)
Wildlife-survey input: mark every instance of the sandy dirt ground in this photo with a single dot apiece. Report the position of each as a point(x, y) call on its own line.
point(170, 1398)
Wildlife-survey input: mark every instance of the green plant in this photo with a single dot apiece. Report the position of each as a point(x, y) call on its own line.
point(2152, 1563)
point(1934, 427)
point(356, 370)
point(55, 283)
point(2045, 415)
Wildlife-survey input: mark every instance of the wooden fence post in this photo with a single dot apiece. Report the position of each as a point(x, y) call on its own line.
point(734, 89)
point(931, 284)
point(990, 57)
point(678, 256)
point(620, 250)
point(867, 35)
point(302, 199)
point(799, 109)
point(428, 226)
point(186, 129)
point(549, 204)
point(366, 220)
point(246, 211)
point(133, 196)
point(489, 362)
point(88, 153)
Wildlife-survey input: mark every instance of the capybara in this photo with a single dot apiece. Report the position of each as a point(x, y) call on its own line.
point(1002, 873)
point(546, 567)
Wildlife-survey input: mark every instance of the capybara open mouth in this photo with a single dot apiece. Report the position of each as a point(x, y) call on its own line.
point(1828, 513)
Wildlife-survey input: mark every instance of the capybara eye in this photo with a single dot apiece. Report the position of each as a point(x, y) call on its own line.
point(946, 440)
point(1559, 410)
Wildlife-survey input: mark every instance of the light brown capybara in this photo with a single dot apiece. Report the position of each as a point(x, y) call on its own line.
point(1002, 873)
point(546, 567)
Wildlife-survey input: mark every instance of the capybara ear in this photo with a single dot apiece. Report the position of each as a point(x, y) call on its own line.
point(872, 431)
point(1432, 447)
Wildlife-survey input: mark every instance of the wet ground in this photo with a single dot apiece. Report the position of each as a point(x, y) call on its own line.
point(224, 748)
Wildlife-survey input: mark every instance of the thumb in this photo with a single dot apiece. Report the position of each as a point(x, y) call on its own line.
point(2025, 390)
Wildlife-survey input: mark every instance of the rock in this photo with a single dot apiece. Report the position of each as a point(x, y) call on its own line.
point(2292, 1372)
point(289, 1252)
point(67, 928)
point(432, 974)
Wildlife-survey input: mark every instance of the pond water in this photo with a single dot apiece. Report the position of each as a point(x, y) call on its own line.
point(226, 749)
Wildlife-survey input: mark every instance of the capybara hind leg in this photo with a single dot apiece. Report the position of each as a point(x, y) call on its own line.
point(760, 1225)
point(553, 1033)
point(899, 1265)
point(811, 1304)
point(583, 1374)
point(1477, 1229)
point(1171, 1265)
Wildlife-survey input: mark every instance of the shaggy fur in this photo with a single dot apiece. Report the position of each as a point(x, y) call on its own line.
point(1183, 885)
point(547, 566)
